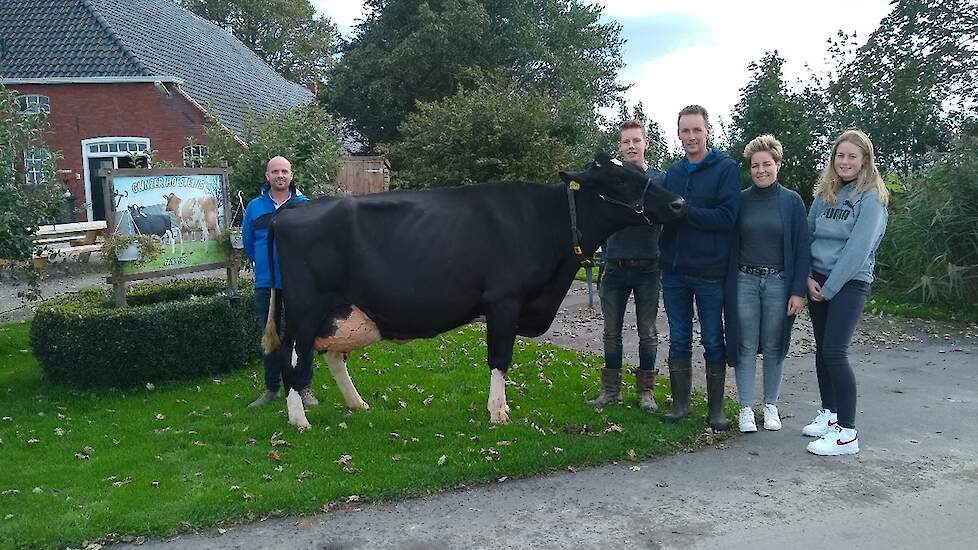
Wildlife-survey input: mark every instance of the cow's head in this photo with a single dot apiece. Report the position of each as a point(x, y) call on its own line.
point(136, 210)
point(172, 202)
point(625, 185)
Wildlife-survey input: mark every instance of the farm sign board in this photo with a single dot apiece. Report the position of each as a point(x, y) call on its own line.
point(182, 209)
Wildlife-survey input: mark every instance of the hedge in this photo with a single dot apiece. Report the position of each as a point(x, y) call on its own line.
point(176, 330)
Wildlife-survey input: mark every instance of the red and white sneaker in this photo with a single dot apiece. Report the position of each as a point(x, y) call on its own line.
point(837, 441)
point(824, 421)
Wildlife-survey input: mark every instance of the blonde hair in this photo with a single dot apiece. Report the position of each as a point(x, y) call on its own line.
point(764, 144)
point(868, 178)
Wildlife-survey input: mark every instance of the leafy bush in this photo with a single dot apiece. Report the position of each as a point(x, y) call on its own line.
point(492, 132)
point(931, 248)
point(176, 330)
point(307, 136)
point(23, 207)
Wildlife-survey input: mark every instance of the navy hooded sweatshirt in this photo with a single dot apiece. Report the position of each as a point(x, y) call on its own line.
point(699, 243)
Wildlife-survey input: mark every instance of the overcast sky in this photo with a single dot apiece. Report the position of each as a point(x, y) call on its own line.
point(679, 52)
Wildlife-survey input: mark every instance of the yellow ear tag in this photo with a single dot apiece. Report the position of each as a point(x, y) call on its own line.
point(574, 185)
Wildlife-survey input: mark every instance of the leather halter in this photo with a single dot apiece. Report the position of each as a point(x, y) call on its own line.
point(638, 207)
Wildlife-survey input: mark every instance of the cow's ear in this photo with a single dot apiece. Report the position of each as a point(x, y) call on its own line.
point(602, 159)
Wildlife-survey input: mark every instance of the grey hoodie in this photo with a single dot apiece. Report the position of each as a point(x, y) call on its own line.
point(845, 237)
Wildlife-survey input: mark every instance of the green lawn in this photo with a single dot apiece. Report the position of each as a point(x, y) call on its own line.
point(883, 300)
point(78, 465)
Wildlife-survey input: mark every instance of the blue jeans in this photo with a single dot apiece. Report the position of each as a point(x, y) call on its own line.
point(679, 292)
point(762, 305)
point(280, 359)
point(617, 283)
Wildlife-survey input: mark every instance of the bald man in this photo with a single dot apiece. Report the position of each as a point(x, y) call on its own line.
point(277, 190)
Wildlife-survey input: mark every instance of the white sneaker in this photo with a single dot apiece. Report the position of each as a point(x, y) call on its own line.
point(823, 422)
point(746, 420)
point(837, 441)
point(771, 419)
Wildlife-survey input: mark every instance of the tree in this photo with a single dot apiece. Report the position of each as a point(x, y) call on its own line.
point(24, 206)
point(911, 83)
point(408, 51)
point(307, 136)
point(286, 34)
point(494, 131)
point(766, 106)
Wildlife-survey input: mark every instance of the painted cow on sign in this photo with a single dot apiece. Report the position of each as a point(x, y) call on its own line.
point(414, 264)
point(195, 216)
point(160, 225)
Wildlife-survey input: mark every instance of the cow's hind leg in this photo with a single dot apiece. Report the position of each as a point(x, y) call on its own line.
point(500, 335)
point(337, 367)
point(293, 401)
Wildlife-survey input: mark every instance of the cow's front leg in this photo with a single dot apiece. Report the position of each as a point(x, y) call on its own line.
point(498, 409)
point(337, 367)
point(501, 319)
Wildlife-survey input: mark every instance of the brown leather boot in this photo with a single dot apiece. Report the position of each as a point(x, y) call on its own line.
point(716, 373)
point(680, 379)
point(610, 389)
point(644, 386)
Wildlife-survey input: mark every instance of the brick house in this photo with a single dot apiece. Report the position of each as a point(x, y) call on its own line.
point(120, 78)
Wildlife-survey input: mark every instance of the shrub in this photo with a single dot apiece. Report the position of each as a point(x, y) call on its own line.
point(176, 330)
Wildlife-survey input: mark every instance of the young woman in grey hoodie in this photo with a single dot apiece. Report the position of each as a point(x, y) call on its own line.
point(847, 220)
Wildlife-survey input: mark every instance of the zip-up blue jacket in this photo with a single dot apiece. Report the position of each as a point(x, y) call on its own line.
point(699, 243)
point(254, 232)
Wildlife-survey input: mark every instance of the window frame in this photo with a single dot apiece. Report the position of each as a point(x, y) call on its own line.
point(194, 155)
point(32, 104)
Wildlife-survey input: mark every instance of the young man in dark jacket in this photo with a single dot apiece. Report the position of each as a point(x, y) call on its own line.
point(277, 191)
point(631, 267)
point(694, 255)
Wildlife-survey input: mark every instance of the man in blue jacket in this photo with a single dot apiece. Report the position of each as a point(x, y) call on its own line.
point(694, 255)
point(277, 191)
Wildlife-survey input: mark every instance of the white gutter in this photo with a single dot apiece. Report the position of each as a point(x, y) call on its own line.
point(92, 80)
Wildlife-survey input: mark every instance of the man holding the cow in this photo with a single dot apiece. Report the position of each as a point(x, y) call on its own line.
point(695, 253)
point(631, 258)
point(277, 191)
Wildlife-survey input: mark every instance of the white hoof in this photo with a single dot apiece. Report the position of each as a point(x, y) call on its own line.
point(499, 417)
point(297, 414)
point(361, 406)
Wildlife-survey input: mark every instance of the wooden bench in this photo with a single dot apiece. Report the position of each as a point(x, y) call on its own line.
point(81, 238)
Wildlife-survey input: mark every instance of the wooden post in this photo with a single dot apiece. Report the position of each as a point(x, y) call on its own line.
point(118, 288)
point(233, 266)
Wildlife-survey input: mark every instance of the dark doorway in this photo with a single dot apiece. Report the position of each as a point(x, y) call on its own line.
point(97, 185)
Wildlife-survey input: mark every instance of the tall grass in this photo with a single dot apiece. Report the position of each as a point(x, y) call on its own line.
point(930, 254)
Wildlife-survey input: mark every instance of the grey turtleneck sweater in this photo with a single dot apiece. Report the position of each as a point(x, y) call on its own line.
point(761, 229)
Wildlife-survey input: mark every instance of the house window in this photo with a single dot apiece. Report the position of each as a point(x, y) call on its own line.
point(34, 104)
point(34, 161)
point(117, 147)
point(194, 156)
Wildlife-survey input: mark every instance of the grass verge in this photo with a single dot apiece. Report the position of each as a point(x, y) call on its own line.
point(890, 302)
point(101, 465)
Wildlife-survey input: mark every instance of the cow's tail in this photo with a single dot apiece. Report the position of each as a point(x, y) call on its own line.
point(269, 340)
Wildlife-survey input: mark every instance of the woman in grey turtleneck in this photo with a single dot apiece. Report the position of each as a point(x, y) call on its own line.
point(769, 266)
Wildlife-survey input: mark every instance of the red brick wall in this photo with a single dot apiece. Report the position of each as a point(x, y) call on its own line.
point(83, 111)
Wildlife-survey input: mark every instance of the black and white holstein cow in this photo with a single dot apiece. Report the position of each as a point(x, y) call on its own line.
point(160, 225)
point(415, 264)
